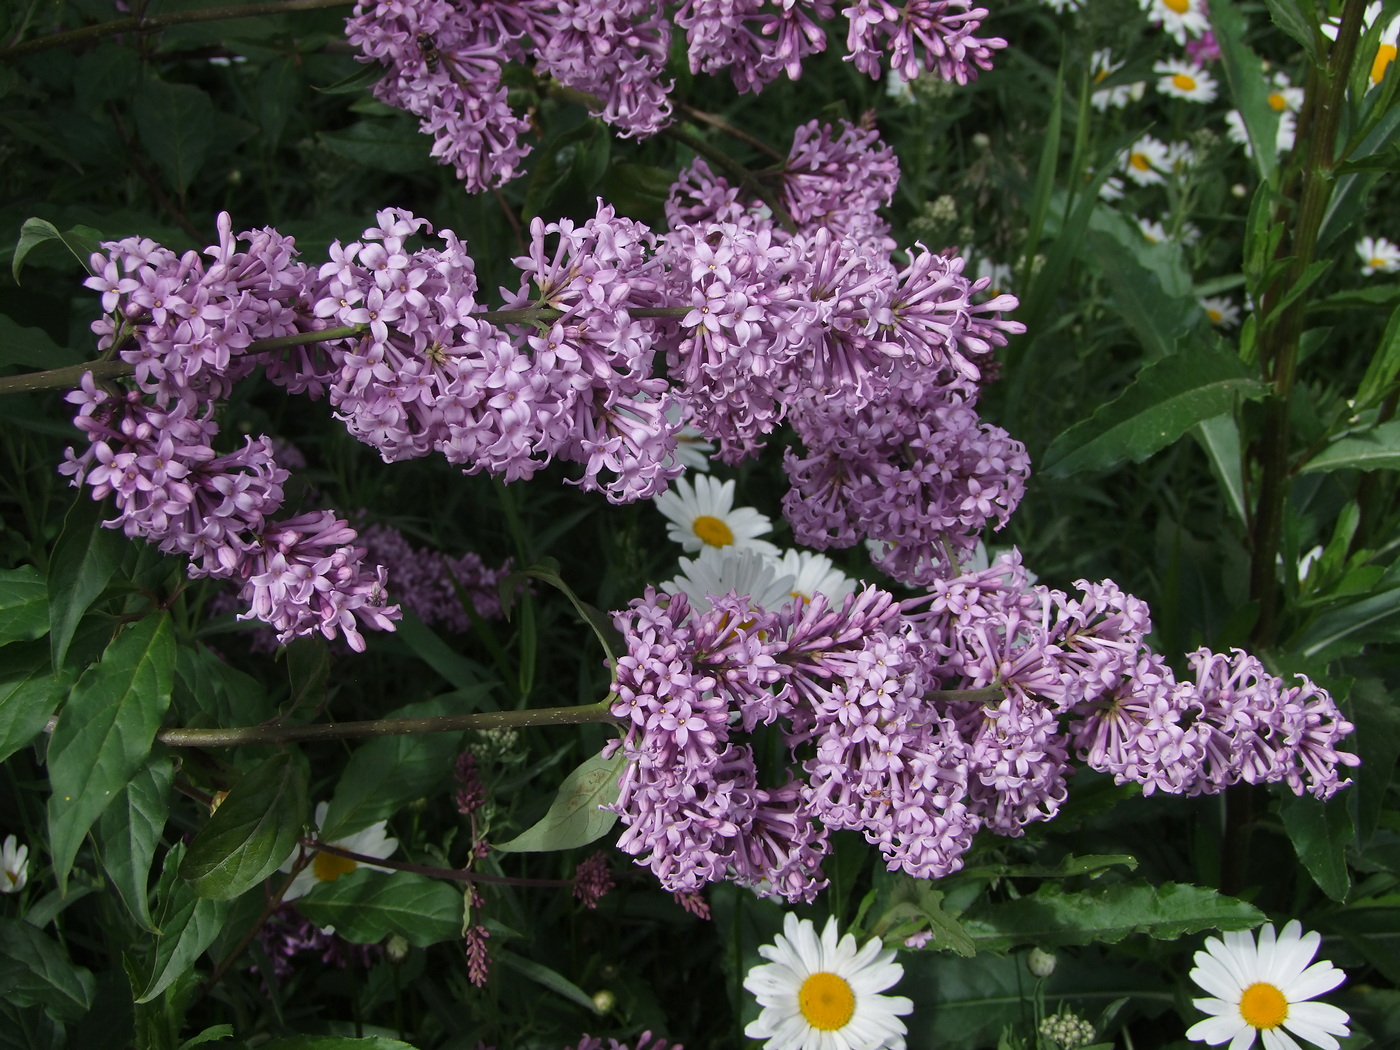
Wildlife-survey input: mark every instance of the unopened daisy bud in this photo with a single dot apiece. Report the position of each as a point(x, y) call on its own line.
point(1239, 190)
point(981, 140)
point(604, 1001)
point(396, 948)
point(1040, 962)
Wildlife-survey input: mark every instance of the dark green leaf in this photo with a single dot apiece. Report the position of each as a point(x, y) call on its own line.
point(356, 83)
point(1346, 630)
point(24, 603)
point(129, 832)
point(1244, 74)
point(83, 562)
point(186, 923)
point(254, 830)
point(366, 906)
point(576, 816)
point(308, 671)
point(29, 693)
point(545, 977)
point(1384, 366)
point(35, 971)
point(392, 146)
point(178, 125)
point(80, 241)
point(210, 1035)
point(1377, 743)
point(31, 347)
point(105, 732)
point(455, 668)
point(1052, 918)
point(1220, 437)
point(335, 1042)
point(915, 905)
point(1374, 449)
point(1299, 21)
point(1167, 399)
point(389, 772)
point(1320, 832)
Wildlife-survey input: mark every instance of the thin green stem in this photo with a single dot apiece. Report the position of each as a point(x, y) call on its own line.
point(152, 23)
point(719, 123)
point(454, 874)
point(276, 734)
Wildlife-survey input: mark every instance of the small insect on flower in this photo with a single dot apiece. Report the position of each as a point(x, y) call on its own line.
point(1265, 989)
point(824, 992)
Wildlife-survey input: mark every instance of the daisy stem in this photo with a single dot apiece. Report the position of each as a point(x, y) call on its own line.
point(276, 734)
point(152, 23)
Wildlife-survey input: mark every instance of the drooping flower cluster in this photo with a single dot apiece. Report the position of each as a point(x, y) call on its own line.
point(186, 328)
point(919, 723)
point(443, 60)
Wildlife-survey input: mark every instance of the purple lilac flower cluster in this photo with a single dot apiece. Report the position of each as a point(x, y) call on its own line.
point(645, 1041)
point(186, 328)
point(286, 934)
point(432, 585)
point(920, 722)
point(444, 59)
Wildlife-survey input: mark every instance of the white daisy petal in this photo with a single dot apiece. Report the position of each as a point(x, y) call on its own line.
point(831, 1000)
point(1216, 1030)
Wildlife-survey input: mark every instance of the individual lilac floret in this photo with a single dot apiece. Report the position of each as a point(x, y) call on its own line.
point(923, 36)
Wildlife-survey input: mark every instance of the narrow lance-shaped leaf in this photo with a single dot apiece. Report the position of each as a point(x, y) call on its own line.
point(187, 925)
point(105, 732)
point(1167, 399)
point(1244, 74)
point(1374, 449)
point(29, 693)
point(83, 562)
point(252, 832)
point(129, 832)
point(576, 816)
point(35, 971)
point(1320, 832)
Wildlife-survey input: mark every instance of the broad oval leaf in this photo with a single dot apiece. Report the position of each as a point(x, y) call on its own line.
point(1376, 449)
point(576, 816)
point(1168, 398)
point(129, 832)
point(365, 906)
point(1320, 833)
point(80, 240)
point(252, 832)
point(29, 693)
point(24, 604)
point(36, 971)
point(187, 925)
point(105, 732)
point(84, 560)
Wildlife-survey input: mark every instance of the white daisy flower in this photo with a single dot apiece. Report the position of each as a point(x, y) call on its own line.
point(1185, 80)
point(897, 88)
point(1179, 18)
point(14, 865)
point(373, 841)
point(1283, 96)
point(717, 571)
point(692, 450)
point(703, 515)
point(1152, 231)
point(998, 273)
point(1385, 48)
point(1112, 189)
point(1283, 140)
point(1146, 161)
point(814, 574)
point(1061, 6)
point(1378, 255)
point(1101, 67)
point(823, 994)
point(1220, 311)
point(1264, 990)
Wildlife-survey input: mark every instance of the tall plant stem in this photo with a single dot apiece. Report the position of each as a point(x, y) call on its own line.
point(152, 23)
point(1279, 336)
point(276, 734)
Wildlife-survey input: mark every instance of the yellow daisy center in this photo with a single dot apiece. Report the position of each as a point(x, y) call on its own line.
point(1140, 161)
point(1263, 1006)
point(1385, 54)
point(1378, 263)
point(1182, 82)
point(1100, 76)
point(826, 1001)
point(13, 876)
point(1179, 6)
point(1214, 315)
point(712, 531)
point(1277, 102)
point(327, 867)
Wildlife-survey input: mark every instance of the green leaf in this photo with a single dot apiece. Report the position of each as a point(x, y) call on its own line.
point(1384, 366)
point(84, 560)
point(393, 146)
point(1320, 832)
point(356, 83)
point(603, 629)
point(575, 818)
point(254, 830)
point(915, 905)
point(1299, 21)
point(1150, 282)
point(24, 603)
point(308, 671)
point(31, 347)
point(335, 1042)
point(1051, 918)
point(1220, 437)
point(456, 669)
point(1068, 867)
point(35, 971)
point(1374, 449)
point(178, 125)
point(209, 1035)
point(80, 240)
point(1377, 743)
point(186, 923)
point(1346, 630)
point(1167, 399)
point(105, 732)
point(1244, 74)
point(544, 976)
point(365, 906)
point(129, 831)
point(388, 772)
point(29, 693)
